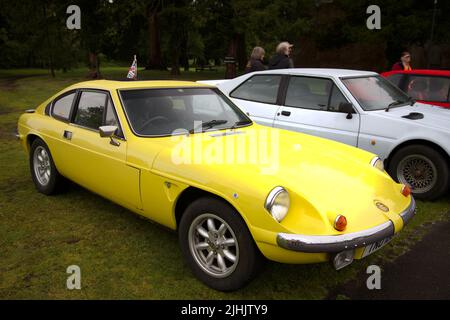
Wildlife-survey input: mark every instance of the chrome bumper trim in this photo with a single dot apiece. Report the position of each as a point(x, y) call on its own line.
point(409, 212)
point(338, 243)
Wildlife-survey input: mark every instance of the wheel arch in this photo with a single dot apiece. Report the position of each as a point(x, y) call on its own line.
point(418, 142)
point(31, 137)
point(189, 195)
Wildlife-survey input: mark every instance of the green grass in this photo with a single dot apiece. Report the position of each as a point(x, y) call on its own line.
point(121, 255)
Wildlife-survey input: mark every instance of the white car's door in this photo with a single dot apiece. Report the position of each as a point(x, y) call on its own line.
point(315, 106)
point(258, 97)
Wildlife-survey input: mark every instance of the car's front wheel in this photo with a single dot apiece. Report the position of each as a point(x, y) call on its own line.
point(45, 176)
point(217, 245)
point(423, 168)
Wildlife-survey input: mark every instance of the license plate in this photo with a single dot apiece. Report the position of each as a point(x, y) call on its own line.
point(375, 246)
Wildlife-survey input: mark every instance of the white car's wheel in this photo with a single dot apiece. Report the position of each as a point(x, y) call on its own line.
point(422, 168)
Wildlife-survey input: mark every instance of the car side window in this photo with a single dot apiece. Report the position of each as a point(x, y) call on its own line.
point(438, 89)
point(62, 106)
point(336, 99)
point(261, 88)
point(433, 89)
point(111, 118)
point(308, 93)
point(90, 109)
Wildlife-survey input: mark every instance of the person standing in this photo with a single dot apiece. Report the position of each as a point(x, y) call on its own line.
point(281, 59)
point(404, 64)
point(256, 60)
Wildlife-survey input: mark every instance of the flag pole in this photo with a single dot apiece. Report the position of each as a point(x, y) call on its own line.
point(136, 66)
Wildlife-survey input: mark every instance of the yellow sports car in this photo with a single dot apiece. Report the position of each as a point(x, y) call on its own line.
point(184, 156)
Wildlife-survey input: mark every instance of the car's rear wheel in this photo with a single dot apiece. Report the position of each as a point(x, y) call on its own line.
point(217, 245)
point(43, 170)
point(423, 168)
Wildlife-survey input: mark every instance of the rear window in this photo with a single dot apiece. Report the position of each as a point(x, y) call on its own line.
point(259, 88)
point(62, 106)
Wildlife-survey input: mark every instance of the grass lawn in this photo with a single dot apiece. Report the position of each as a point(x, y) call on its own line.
point(122, 256)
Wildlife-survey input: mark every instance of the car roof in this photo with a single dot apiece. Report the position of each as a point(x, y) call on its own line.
point(445, 73)
point(322, 72)
point(133, 84)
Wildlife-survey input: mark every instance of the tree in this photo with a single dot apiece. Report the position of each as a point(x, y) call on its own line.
point(153, 11)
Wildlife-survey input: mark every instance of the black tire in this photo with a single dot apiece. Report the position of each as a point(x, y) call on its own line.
point(249, 260)
point(56, 183)
point(437, 164)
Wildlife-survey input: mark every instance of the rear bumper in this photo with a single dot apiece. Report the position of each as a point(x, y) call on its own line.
point(339, 243)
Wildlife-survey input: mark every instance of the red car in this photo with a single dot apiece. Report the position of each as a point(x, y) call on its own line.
point(426, 86)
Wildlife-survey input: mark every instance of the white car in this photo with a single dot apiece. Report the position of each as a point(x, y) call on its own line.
point(358, 108)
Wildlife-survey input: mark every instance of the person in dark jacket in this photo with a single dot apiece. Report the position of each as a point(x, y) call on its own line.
point(281, 59)
point(405, 62)
point(256, 60)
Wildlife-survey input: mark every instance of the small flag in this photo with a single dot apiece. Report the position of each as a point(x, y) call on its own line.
point(132, 72)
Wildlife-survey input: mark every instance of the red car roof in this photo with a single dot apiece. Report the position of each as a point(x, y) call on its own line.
point(442, 73)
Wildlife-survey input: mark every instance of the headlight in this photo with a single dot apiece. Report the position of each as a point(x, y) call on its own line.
point(277, 203)
point(377, 163)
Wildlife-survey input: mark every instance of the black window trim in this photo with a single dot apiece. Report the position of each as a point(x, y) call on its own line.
point(334, 85)
point(107, 97)
point(407, 76)
point(279, 92)
point(216, 90)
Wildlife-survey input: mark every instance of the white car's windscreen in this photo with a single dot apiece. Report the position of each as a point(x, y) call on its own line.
point(375, 93)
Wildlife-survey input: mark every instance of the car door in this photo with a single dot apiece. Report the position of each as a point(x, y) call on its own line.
point(60, 110)
point(258, 97)
point(312, 105)
point(96, 163)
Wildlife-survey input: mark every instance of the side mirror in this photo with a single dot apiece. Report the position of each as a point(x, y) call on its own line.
point(108, 132)
point(346, 107)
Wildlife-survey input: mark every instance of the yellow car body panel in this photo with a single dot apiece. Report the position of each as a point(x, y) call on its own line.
point(324, 178)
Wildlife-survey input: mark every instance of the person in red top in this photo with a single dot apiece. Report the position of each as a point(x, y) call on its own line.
point(405, 62)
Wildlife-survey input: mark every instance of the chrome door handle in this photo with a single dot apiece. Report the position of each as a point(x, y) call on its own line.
point(67, 135)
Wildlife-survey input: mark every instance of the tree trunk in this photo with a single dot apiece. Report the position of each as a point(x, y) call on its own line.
point(241, 52)
point(175, 65)
point(230, 68)
point(94, 66)
point(184, 54)
point(49, 44)
point(154, 41)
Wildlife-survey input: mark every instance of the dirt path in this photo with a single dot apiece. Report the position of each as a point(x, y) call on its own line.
point(421, 273)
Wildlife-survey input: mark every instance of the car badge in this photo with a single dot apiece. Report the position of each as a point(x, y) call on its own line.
point(381, 206)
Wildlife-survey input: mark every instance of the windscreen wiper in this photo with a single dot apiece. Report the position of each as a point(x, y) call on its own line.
point(208, 125)
point(240, 123)
point(395, 103)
